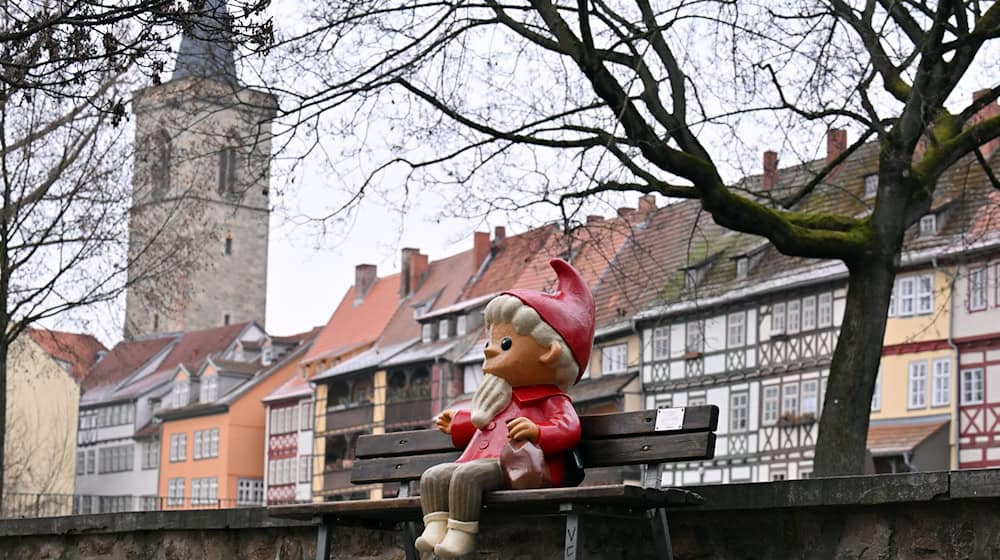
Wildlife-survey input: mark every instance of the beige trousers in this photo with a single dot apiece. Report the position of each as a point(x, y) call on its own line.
point(458, 487)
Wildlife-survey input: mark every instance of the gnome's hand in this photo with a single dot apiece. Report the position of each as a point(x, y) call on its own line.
point(521, 429)
point(444, 421)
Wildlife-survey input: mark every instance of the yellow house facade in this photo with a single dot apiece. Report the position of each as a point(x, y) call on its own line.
point(913, 405)
point(41, 432)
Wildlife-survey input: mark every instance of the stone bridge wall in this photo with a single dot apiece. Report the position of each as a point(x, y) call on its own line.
point(914, 516)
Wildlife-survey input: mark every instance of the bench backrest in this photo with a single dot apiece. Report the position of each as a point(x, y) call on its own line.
point(626, 438)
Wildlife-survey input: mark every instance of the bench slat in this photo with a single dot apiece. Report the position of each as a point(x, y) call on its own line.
point(600, 426)
point(396, 469)
point(415, 442)
point(648, 449)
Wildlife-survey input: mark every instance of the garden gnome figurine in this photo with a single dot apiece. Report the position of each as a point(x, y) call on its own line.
point(538, 346)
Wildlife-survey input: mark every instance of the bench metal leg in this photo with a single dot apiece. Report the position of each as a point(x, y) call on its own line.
point(661, 534)
point(571, 550)
point(323, 534)
point(409, 528)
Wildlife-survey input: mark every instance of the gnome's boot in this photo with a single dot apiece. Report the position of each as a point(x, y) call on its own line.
point(460, 540)
point(435, 525)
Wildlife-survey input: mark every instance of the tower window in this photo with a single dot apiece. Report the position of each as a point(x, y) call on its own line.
point(227, 171)
point(229, 245)
point(225, 319)
point(156, 322)
point(161, 164)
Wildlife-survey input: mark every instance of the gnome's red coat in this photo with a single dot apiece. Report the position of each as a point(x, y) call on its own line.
point(545, 405)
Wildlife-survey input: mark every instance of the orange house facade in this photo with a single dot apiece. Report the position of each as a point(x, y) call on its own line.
point(212, 452)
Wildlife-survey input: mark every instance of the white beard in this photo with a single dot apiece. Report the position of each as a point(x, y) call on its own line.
point(491, 398)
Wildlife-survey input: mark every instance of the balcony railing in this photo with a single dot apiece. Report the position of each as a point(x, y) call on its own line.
point(407, 413)
point(350, 417)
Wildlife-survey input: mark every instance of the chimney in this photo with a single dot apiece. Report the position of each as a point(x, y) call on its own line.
point(364, 279)
point(647, 204)
point(594, 218)
point(404, 271)
point(836, 143)
point(418, 266)
point(499, 234)
point(480, 249)
point(626, 212)
point(770, 178)
point(988, 111)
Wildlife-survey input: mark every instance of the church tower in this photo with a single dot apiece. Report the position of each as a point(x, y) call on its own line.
point(198, 230)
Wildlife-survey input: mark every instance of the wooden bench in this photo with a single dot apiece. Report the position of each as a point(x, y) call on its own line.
point(647, 438)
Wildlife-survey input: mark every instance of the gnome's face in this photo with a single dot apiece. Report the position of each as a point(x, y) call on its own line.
point(519, 359)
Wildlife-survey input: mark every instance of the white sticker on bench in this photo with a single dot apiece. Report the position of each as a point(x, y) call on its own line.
point(668, 419)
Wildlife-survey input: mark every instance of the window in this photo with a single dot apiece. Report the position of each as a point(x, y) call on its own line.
point(81, 462)
point(777, 476)
point(209, 389)
point(907, 297)
point(249, 492)
point(156, 322)
point(204, 491)
point(472, 376)
point(790, 400)
point(182, 393)
point(444, 326)
point(893, 306)
point(120, 458)
point(996, 298)
point(462, 324)
point(810, 397)
point(778, 318)
point(661, 343)
point(917, 386)
point(305, 468)
point(696, 400)
point(91, 461)
point(614, 359)
point(305, 415)
point(824, 314)
point(738, 405)
point(227, 171)
point(977, 289)
point(770, 414)
point(228, 249)
point(736, 334)
point(225, 319)
point(695, 337)
point(809, 313)
point(941, 382)
point(206, 444)
point(877, 393)
point(972, 386)
point(151, 454)
point(928, 225)
point(427, 332)
point(178, 447)
point(925, 294)
point(794, 318)
point(742, 267)
point(871, 185)
point(175, 492)
point(690, 278)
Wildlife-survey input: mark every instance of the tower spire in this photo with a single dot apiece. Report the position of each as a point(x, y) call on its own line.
point(207, 47)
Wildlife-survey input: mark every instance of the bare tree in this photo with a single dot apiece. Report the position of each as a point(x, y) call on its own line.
point(563, 101)
point(66, 69)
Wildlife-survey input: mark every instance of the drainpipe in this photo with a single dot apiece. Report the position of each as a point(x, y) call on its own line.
point(951, 343)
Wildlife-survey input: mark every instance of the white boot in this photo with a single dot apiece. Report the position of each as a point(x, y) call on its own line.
point(460, 540)
point(435, 525)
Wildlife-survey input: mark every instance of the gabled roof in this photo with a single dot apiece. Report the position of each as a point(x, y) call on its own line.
point(124, 359)
point(195, 346)
point(78, 351)
point(514, 261)
point(355, 324)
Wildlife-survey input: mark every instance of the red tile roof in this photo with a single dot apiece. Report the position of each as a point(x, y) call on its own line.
point(79, 351)
point(126, 357)
point(297, 386)
point(195, 346)
point(900, 438)
point(352, 325)
point(515, 262)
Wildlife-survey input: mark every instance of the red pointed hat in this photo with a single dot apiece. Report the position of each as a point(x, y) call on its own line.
point(570, 311)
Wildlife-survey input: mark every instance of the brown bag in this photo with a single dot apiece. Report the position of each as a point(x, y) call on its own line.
point(524, 467)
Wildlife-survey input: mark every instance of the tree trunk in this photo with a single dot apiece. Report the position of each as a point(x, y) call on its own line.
point(843, 426)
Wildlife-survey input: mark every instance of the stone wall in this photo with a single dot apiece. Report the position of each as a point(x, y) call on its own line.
point(914, 516)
